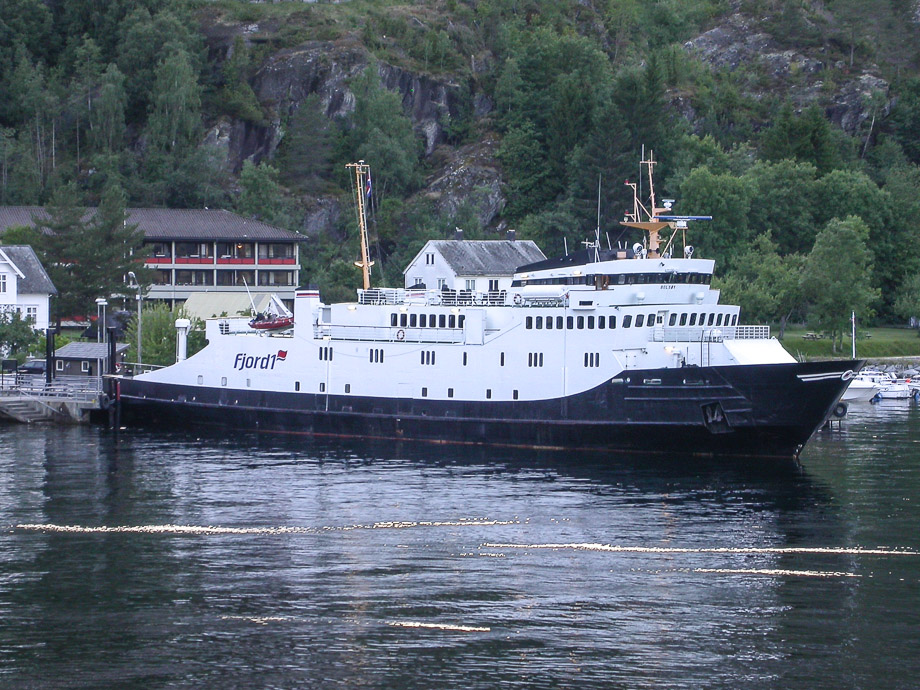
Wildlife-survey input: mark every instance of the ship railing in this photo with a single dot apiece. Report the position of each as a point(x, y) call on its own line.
point(387, 334)
point(709, 334)
point(445, 297)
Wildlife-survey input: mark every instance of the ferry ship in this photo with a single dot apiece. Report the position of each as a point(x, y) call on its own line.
point(616, 349)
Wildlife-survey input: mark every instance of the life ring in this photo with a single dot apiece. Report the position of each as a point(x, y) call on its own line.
point(518, 299)
point(840, 410)
point(400, 335)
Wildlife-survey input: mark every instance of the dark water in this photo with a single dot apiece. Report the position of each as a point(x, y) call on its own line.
point(427, 567)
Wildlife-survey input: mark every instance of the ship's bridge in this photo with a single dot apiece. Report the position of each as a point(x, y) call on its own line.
point(602, 274)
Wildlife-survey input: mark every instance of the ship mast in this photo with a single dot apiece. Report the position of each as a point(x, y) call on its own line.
point(362, 192)
point(645, 219)
point(656, 219)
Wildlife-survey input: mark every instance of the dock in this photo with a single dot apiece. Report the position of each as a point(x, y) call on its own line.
point(30, 399)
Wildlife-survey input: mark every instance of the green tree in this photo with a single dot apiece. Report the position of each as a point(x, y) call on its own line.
point(764, 283)
point(907, 301)
point(17, 336)
point(727, 199)
point(88, 258)
point(305, 154)
point(383, 136)
point(107, 119)
point(837, 276)
point(806, 137)
point(260, 195)
point(175, 117)
point(526, 173)
point(158, 335)
point(784, 201)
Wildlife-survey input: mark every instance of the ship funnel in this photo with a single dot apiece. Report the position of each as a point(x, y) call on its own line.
point(182, 329)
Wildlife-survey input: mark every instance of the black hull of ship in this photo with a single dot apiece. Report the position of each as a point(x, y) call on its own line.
point(753, 411)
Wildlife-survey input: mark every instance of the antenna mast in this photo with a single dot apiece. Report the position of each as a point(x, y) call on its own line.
point(362, 191)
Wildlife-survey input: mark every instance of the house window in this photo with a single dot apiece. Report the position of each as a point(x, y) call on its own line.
point(2, 282)
point(84, 366)
point(442, 283)
point(471, 284)
point(493, 285)
point(429, 261)
point(276, 251)
point(276, 277)
point(59, 365)
point(162, 277)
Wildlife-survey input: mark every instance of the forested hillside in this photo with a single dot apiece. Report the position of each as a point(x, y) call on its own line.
point(796, 124)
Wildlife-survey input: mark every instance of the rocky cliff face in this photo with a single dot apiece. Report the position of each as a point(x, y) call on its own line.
point(740, 40)
point(471, 174)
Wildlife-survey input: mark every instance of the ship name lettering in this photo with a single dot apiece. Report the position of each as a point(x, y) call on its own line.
point(244, 361)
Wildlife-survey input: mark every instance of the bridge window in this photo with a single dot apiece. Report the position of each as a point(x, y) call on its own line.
point(734, 319)
point(719, 320)
point(672, 320)
point(442, 321)
point(601, 322)
point(393, 319)
point(590, 323)
point(422, 320)
point(539, 323)
point(683, 319)
point(711, 319)
point(413, 320)
point(451, 321)
point(692, 319)
point(570, 322)
point(640, 320)
point(549, 323)
point(627, 321)
point(403, 320)
point(581, 323)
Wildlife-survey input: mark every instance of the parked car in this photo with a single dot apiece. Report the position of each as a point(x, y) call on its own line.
point(35, 366)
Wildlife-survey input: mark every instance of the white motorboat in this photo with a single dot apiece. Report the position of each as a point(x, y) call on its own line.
point(890, 387)
point(860, 390)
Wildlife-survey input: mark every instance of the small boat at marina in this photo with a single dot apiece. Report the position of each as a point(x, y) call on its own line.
point(890, 388)
point(860, 390)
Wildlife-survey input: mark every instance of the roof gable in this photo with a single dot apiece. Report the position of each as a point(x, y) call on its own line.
point(485, 257)
point(33, 278)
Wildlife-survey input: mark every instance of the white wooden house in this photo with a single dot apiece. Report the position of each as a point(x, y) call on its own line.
point(472, 265)
point(24, 285)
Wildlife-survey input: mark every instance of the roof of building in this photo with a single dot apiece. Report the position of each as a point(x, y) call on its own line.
point(209, 305)
point(485, 257)
point(83, 350)
point(35, 280)
point(171, 224)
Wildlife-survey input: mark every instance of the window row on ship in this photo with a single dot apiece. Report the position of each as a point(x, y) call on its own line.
point(603, 280)
point(629, 321)
point(427, 320)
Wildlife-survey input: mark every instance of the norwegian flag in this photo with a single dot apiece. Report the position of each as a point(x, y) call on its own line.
point(367, 191)
point(282, 355)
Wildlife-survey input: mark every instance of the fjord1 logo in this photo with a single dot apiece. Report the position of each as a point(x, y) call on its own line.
point(244, 361)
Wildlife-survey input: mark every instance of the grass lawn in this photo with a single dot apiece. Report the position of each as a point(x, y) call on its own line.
point(884, 342)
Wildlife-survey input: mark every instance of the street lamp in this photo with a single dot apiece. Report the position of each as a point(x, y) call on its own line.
point(101, 304)
point(135, 284)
